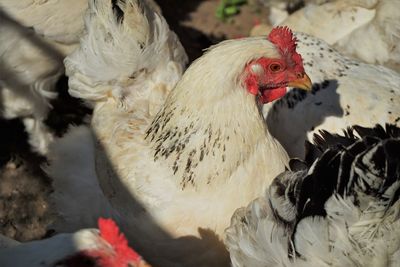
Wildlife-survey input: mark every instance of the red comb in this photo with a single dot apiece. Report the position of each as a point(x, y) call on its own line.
point(282, 37)
point(116, 253)
point(109, 231)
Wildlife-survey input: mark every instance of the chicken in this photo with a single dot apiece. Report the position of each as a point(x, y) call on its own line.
point(35, 36)
point(141, 33)
point(279, 10)
point(60, 23)
point(345, 92)
point(339, 210)
point(346, 25)
point(182, 163)
point(106, 247)
point(353, 21)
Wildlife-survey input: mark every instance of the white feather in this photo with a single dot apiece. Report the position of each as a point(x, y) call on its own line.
point(35, 36)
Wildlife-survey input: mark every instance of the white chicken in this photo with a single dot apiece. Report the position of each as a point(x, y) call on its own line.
point(346, 24)
point(279, 10)
point(345, 92)
point(35, 36)
point(340, 210)
point(105, 247)
point(181, 164)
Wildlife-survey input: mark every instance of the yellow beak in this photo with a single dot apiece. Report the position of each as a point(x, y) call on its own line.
point(302, 83)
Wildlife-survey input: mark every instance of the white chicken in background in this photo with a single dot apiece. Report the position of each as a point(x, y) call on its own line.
point(346, 24)
point(340, 210)
point(105, 247)
point(345, 92)
point(279, 10)
point(177, 166)
point(60, 23)
point(35, 36)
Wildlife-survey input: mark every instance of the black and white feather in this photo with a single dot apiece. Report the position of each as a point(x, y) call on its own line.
point(345, 92)
point(339, 207)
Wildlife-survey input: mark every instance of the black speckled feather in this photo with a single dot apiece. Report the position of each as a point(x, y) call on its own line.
point(363, 168)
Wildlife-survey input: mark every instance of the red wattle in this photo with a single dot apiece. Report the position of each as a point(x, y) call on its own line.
point(271, 95)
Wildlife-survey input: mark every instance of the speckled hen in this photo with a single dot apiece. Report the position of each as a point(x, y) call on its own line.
point(182, 161)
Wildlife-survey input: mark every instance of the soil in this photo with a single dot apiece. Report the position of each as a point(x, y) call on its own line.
point(197, 26)
point(24, 188)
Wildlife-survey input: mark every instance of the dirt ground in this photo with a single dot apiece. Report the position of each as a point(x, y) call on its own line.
point(197, 26)
point(24, 188)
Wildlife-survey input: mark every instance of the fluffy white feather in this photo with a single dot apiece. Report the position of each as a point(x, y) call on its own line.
point(35, 36)
point(130, 58)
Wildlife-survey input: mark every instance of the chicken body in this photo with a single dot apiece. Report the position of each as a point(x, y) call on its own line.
point(174, 166)
point(189, 147)
point(345, 92)
point(192, 155)
point(35, 37)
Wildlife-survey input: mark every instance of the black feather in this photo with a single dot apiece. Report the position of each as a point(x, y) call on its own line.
point(313, 152)
point(118, 12)
point(365, 168)
point(296, 165)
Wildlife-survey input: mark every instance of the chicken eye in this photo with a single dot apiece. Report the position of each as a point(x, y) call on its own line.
point(275, 67)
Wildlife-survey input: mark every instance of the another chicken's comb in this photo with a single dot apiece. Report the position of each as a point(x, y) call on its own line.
point(109, 231)
point(283, 38)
